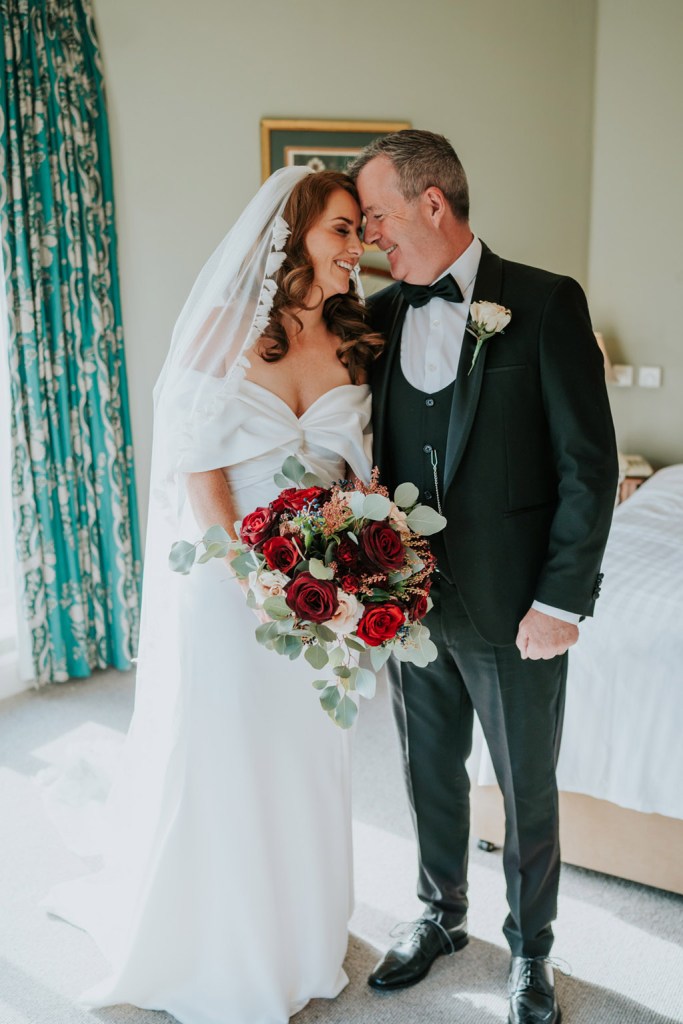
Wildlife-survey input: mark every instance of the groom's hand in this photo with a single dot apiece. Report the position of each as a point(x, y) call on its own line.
point(544, 636)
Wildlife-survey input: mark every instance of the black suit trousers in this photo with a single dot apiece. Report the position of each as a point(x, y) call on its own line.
point(520, 706)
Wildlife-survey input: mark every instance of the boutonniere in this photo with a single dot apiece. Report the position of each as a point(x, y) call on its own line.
point(486, 319)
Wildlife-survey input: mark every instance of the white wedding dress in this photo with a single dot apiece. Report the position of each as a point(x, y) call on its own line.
point(227, 880)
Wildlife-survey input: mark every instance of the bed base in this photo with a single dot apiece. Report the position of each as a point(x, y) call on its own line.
point(596, 834)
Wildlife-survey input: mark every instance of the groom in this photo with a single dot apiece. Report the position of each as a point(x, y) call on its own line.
point(514, 442)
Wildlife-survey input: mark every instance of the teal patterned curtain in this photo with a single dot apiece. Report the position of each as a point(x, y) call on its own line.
point(73, 482)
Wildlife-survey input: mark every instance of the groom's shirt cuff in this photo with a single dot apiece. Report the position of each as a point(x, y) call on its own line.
point(557, 613)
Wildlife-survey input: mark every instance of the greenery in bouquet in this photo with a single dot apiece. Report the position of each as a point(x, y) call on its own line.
point(341, 571)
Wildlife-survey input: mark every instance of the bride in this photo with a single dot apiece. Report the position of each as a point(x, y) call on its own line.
point(227, 879)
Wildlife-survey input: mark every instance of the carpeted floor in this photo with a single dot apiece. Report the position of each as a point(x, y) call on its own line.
point(623, 941)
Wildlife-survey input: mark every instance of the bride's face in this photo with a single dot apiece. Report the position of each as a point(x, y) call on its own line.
point(334, 244)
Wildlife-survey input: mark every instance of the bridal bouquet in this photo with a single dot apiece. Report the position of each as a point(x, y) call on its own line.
point(339, 571)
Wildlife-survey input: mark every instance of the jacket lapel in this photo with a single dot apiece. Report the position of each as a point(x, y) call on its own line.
point(467, 388)
point(382, 373)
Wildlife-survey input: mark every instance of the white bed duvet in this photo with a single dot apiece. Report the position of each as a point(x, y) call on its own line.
point(623, 733)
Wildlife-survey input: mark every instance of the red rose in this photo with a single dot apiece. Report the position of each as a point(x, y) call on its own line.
point(256, 526)
point(380, 622)
point(350, 584)
point(382, 546)
point(417, 609)
point(312, 599)
point(279, 504)
point(280, 553)
point(294, 499)
point(346, 554)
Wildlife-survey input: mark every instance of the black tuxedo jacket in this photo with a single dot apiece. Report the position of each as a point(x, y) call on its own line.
point(530, 470)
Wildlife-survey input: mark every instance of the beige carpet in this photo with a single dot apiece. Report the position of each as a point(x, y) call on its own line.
point(623, 941)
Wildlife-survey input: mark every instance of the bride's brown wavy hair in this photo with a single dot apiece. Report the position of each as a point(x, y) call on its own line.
point(343, 314)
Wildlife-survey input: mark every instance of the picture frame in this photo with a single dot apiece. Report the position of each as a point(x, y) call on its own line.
point(324, 145)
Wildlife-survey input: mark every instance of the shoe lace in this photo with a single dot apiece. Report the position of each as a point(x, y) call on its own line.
point(411, 930)
point(526, 978)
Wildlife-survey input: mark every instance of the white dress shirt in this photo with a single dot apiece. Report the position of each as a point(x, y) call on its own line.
point(431, 342)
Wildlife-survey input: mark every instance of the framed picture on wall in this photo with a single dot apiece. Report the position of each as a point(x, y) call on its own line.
point(322, 145)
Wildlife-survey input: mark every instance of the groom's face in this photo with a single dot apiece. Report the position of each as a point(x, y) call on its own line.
point(402, 228)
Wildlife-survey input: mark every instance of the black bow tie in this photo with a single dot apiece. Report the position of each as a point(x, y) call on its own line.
point(419, 294)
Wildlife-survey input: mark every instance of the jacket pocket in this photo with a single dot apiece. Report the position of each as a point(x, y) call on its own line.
point(506, 369)
point(529, 508)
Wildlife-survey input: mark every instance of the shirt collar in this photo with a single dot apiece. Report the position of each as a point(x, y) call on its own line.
point(465, 268)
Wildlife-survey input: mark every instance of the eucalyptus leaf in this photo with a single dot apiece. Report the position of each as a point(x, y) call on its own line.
point(251, 599)
point(379, 656)
point(265, 632)
point(420, 650)
point(217, 535)
point(214, 550)
point(292, 469)
point(316, 656)
point(336, 656)
point(324, 633)
point(354, 645)
point(311, 480)
point(366, 683)
point(425, 520)
point(277, 608)
point(406, 495)
point(319, 570)
point(245, 563)
point(376, 506)
point(350, 683)
point(345, 712)
point(320, 684)
point(293, 647)
point(352, 536)
point(181, 557)
point(282, 481)
point(342, 671)
point(330, 551)
point(414, 560)
point(285, 625)
point(330, 697)
point(400, 575)
point(279, 643)
point(356, 501)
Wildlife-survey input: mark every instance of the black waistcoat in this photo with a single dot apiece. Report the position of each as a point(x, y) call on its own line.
point(417, 429)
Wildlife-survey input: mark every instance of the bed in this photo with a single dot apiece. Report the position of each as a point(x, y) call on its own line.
point(620, 773)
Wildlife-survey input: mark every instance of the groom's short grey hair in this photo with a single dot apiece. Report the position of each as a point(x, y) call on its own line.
point(421, 159)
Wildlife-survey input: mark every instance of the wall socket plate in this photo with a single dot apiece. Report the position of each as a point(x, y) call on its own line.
point(623, 375)
point(649, 377)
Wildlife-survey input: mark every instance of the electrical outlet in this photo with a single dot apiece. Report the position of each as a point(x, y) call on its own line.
point(649, 377)
point(623, 375)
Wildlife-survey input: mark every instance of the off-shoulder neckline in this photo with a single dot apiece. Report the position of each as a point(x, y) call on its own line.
point(337, 387)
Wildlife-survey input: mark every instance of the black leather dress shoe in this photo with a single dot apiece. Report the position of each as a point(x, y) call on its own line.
point(531, 987)
point(409, 960)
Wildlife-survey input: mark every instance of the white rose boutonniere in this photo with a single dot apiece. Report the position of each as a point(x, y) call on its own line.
point(486, 319)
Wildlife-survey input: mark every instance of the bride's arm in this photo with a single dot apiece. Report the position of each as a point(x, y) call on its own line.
point(211, 500)
point(212, 504)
